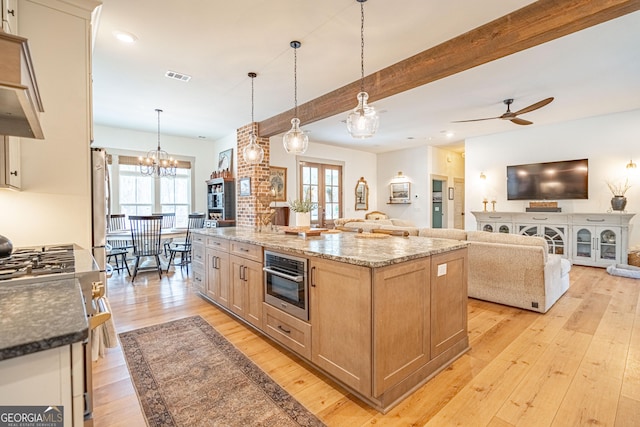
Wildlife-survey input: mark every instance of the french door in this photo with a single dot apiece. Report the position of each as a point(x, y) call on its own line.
point(323, 184)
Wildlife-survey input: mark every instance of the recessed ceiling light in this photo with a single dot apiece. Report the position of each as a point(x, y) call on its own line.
point(125, 37)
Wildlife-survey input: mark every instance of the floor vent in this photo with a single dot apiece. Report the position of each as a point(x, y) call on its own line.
point(177, 76)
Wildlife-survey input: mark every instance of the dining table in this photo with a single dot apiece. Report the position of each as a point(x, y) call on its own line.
point(167, 235)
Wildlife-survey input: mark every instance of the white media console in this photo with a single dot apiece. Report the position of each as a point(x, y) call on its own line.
point(595, 239)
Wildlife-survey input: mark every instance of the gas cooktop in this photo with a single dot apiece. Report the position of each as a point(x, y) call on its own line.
point(30, 262)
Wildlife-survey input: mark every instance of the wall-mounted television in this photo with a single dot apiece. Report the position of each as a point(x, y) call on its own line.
point(561, 180)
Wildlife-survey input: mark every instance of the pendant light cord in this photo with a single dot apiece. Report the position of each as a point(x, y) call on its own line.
point(252, 77)
point(362, 46)
point(295, 80)
point(159, 111)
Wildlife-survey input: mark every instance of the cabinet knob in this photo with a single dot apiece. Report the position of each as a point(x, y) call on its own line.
point(11, 12)
point(14, 173)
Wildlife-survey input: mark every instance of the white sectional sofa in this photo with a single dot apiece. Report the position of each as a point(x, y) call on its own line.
point(511, 269)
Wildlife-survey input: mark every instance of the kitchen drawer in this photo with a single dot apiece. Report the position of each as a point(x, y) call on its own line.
point(289, 331)
point(198, 276)
point(542, 218)
point(597, 219)
point(197, 238)
point(247, 250)
point(197, 252)
point(218, 243)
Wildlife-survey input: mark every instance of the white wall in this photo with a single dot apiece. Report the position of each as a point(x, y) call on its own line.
point(203, 154)
point(356, 164)
point(609, 142)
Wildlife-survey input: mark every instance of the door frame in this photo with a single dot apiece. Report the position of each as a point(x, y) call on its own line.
point(445, 200)
point(320, 160)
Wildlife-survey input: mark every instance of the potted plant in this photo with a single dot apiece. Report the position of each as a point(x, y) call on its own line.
point(619, 201)
point(302, 209)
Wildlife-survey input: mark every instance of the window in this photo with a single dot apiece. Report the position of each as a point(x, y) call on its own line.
point(136, 194)
point(323, 184)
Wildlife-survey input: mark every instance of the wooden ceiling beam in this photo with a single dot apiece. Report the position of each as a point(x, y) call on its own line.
point(532, 25)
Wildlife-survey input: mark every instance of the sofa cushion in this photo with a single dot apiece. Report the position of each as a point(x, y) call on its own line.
point(364, 225)
point(402, 222)
point(509, 239)
point(443, 233)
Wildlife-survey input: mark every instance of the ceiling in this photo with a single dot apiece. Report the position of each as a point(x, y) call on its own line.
point(590, 73)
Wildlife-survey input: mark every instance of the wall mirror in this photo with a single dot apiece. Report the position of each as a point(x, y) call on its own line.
point(362, 195)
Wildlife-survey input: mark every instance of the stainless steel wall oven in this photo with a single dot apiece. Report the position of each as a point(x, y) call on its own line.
point(286, 283)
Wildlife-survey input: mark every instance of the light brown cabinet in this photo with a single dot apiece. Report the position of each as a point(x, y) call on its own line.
point(401, 322)
point(340, 317)
point(246, 294)
point(217, 264)
point(197, 262)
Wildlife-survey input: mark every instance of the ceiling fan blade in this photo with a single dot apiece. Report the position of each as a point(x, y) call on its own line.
point(521, 121)
point(474, 120)
point(535, 106)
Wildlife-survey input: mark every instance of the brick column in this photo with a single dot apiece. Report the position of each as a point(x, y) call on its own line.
point(249, 208)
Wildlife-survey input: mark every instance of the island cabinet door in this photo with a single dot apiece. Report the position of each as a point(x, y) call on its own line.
point(246, 293)
point(401, 321)
point(340, 316)
point(218, 276)
point(448, 301)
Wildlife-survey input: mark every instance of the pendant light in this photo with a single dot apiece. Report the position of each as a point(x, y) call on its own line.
point(157, 162)
point(253, 153)
point(363, 121)
point(295, 141)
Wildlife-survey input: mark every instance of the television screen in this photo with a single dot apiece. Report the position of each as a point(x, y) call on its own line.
point(549, 181)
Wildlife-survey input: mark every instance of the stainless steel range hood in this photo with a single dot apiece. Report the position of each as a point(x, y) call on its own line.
point(20, 103)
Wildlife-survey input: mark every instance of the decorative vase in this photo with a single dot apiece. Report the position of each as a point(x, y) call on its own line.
point(303, 219)
point(618, 203)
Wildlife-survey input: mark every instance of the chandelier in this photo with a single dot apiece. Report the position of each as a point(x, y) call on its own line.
point(363, 121)
point(295, 141)
point(157, 162)
point(253, 153)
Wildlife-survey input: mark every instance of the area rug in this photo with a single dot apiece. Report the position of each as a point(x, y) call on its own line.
point(187, 374)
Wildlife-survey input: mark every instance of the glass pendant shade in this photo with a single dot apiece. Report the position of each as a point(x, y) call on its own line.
point(295, 141)
point(253, 153)
point(363, 121)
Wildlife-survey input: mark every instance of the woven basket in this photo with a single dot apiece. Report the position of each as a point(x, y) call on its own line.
point(634, 258)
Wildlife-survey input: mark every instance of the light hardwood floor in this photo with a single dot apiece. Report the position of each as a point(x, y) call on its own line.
point(576, 365)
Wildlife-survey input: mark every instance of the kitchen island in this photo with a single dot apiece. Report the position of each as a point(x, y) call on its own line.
point(385, 314)
point(42, 330)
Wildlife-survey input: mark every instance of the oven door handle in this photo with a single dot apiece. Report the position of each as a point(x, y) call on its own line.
point(286, 276)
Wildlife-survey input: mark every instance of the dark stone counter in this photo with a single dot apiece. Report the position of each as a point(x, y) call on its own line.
point(39, 316)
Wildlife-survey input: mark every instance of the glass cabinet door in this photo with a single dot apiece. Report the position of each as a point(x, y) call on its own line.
point(504, 229)
point(488, 227)
point(583, 239)
point(555, 237)
point(608, 245)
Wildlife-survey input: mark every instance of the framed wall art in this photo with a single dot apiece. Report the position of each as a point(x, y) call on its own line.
point(400, 192)
point(245, 186)
point(225, 160)
point(278, 181)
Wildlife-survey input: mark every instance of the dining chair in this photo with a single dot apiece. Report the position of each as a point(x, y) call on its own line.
point(168, 222)
point(145, 234)
point(196, 220)
point(117, 250)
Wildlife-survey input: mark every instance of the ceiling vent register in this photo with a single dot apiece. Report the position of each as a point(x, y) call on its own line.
point(177, 76)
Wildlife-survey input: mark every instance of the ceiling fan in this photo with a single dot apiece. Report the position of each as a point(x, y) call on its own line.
point(509, 115)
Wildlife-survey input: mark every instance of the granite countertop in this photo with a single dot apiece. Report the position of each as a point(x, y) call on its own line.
point(343, 247)
point(39, 316)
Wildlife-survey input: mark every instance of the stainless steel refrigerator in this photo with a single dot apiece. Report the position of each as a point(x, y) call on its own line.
point(100, 197)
